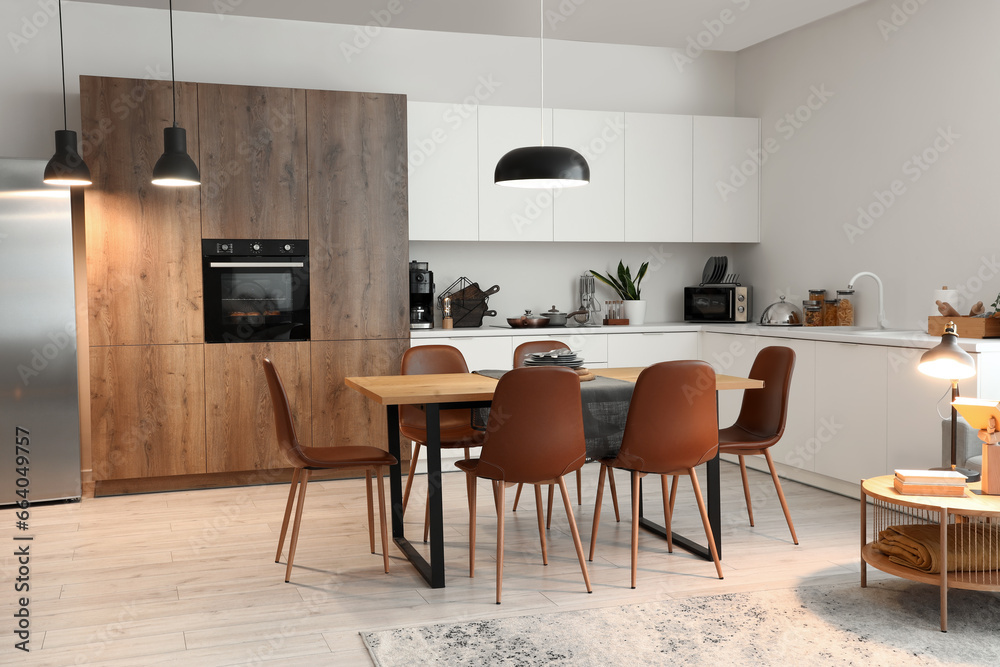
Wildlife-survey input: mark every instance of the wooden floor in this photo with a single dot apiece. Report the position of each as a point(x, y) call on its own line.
point(189, 577)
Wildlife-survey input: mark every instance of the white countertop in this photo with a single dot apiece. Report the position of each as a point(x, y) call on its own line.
point(888, 337)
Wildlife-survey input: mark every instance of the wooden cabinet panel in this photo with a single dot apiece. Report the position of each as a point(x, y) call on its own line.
point(358, 244)
point(342, 416)
point(147, 410)
point(253, 162)
point(143, 241)
point(239, 416)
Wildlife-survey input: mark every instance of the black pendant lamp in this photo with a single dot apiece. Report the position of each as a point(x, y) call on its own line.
point(175, 167)
point(542, 166)
point(66, 167)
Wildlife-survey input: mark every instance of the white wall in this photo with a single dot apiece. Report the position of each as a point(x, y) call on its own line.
point(107, 40)
point(895, 94)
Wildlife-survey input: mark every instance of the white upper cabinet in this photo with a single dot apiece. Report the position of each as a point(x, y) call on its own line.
point(506, 213)
point(658, 157)
point(442, 163)
point(726, 179)
point(594, 212)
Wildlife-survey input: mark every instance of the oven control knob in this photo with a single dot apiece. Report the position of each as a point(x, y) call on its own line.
point(741, 309)
point(288, 247)
point(255, 247)
point(224, 247)
point(741, 298)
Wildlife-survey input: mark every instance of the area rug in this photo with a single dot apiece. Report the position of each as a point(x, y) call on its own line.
point(889, 623)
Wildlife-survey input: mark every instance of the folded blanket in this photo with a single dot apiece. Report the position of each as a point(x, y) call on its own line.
point(971, 547)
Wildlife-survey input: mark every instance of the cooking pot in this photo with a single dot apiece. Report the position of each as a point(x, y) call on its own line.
point(781, 314)
point(558, 319)
point(528, 320)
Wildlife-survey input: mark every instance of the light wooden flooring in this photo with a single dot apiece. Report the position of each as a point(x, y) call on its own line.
point(189, 577)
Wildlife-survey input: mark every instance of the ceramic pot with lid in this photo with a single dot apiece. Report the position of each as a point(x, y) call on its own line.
point(781, 314)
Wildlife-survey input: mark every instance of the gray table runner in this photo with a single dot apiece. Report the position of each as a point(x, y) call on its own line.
point(605, 408)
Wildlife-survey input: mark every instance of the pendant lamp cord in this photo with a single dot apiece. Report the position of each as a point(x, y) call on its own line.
point(62, 59)
point(541, 59)
point(173, 83)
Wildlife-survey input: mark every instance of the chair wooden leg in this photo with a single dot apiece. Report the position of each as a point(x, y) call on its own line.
point(666, 513)
point(673, 494)
point(704, 521)
point(500, 489)
point(409, 476)
point(614, 494)
point(541, 521)
point(470, 488)
point(288, 513)
point(548, 520)
point(579, 486)
point(781, 495)
point(635, 523)
point(371, 513)
point(517, 497)
point(304, 480)
point(746, 487)
point(380, 473)
point(575, 532)
point(597, 510)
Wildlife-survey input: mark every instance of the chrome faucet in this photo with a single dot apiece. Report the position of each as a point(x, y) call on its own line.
point(881, 296)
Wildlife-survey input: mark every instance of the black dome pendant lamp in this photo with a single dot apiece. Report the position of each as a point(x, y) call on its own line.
point(175, 167)
point(542, 166)
point(66, 166)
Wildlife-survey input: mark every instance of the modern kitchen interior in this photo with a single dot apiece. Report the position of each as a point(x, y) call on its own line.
point(753, 177)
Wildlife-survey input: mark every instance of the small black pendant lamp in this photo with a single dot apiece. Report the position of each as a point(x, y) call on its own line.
point(175, 167)
point(542, 166)
point(66, 167)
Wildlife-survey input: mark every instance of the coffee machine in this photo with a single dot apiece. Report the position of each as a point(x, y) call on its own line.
point(421, 296)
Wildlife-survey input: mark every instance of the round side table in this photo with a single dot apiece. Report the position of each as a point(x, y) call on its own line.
point(892, 509)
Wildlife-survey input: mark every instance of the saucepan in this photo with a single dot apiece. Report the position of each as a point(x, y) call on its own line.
point(558, 319)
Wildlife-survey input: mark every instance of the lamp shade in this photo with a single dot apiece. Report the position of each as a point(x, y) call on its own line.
point(66, 167)
point(175, 167)
point(542, 167)
point(947, 360)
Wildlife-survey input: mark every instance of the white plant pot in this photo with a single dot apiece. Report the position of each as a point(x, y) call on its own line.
point(635, 312)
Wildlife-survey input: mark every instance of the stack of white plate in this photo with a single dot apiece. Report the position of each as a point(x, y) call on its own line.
point(560, 357)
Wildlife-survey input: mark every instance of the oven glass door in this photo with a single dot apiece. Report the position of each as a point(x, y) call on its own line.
point(256, 299)
point(709, 304)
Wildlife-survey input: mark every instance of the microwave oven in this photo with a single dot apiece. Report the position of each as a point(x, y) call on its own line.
point(718, 303)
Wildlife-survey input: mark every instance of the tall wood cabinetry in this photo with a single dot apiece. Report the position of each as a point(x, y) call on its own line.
point(163, 403)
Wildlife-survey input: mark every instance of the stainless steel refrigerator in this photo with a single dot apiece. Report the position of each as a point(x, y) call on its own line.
point(38, 372)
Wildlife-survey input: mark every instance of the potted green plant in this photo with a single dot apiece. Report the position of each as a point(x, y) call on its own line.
point(628, 290)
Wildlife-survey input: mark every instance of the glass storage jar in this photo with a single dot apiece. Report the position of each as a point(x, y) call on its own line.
point(817, 295)
point(845, 307)
point(830, 313)
point(813, 313)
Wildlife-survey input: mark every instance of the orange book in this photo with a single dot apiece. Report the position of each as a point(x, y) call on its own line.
point(928, 489)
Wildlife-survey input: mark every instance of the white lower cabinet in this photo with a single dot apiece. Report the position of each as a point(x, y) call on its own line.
point(480, 352)
point(851, 409)
point(729, 355)
point(643, 349)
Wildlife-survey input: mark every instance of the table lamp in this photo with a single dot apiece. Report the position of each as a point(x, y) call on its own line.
point(950, 362)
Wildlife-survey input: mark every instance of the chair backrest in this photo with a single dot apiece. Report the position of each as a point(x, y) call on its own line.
point(432, 359)
point(764, 411)
point(283, 424)
point(524, 349)
point(672, 419)
point(535, 431)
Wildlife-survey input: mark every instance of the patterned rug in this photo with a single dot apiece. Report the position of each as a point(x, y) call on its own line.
point(892, 622)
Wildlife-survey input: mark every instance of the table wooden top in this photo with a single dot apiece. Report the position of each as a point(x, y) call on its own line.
point(971, 503)
point(454, 387)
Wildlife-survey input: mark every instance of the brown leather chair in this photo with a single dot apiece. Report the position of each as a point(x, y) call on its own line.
point(669, 430)
point(373, 460)
point(761, 422)
point(534, 436)
point(522, 352)
point(456, 425)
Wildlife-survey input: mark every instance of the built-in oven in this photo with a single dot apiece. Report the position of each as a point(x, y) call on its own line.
point(255, 290)
point(726, 302)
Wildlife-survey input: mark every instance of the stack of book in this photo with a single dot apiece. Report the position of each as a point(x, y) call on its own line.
point(929, 483)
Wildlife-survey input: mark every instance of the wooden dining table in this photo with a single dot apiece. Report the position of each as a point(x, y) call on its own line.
point(471, 390)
